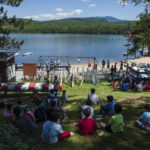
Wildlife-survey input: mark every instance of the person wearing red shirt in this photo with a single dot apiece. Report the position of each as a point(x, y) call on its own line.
point(35, 97)
point(87, 125)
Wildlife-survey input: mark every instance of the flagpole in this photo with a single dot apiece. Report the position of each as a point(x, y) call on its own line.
point(129, 38)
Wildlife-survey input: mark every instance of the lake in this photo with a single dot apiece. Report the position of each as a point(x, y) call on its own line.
point(101, 46)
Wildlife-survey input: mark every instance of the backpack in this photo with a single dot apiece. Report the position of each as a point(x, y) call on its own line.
point(39, 115)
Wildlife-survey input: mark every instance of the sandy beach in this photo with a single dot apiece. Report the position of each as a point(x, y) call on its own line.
point(141, 60)
point(84, 67)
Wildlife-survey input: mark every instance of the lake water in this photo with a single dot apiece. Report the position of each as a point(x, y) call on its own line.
point(100, 46)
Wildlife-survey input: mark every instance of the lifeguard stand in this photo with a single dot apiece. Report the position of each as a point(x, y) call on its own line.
point(30, 70)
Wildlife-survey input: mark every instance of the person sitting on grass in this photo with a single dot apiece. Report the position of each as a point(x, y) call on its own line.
point(64, 98)
point(109, 107)
point(51, 108)
point(35, 96)
point(22, 107)
point(125, 86)
point(139, 87)
point(8, 115)
point(144, 121)
point(87, 105)
point(24, 122)
point(56, 83)
point(52, 131)
point(39, 113)
point(116, 122)
point(92, 97)
point(115, 84)
point(29, 113)
point(87, 125)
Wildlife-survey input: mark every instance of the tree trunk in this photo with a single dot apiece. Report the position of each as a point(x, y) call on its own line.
point(142, 50)
point(149, 51)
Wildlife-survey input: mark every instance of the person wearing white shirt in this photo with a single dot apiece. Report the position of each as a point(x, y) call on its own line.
point(92, 97)
point(87, 105)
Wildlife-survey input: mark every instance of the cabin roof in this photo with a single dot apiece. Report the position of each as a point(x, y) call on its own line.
point(5, 56)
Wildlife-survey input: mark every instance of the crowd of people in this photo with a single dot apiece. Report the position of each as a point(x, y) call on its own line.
point(126, 83)
point(50, 112)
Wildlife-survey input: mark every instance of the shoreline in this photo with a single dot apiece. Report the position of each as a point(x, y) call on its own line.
point(82, 66)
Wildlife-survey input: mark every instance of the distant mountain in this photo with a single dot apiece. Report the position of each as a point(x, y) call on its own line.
point(107, 19)
point(84, 20)
point(112, 19)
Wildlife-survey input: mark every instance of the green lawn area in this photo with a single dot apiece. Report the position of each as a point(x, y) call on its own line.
point(132, 138)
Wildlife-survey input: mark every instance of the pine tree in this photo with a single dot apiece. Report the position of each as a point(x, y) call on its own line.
point(5, 41)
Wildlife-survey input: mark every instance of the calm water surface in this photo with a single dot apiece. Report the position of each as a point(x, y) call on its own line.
point(100, 46)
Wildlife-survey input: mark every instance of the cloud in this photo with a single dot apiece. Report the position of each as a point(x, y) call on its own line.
point(85, 0)
point(74, 12)
point(58, 15)
point(123, 2)
point(59, 9)
point(41, 17)
point(92, 5)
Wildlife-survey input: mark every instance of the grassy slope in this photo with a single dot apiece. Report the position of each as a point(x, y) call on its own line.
point(132, 138)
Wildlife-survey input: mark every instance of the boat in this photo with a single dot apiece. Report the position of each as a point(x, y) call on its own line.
point(17, 54)
point(27, 54)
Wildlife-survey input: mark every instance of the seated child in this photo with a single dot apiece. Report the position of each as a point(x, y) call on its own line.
point(29, 113)
point(109, 107)
point(39, 113)
point(125, 86)
point(144, 121)
point(35, 96)
point(8, 115)
point(139, 87)
point(64, 98)
point(87, 125)
point(52, 131)
point(22, 107)
point(92, 97)
point(51, 108)
point(88, 105)
point(115, 83)
point(116, 122)
point(23, 122)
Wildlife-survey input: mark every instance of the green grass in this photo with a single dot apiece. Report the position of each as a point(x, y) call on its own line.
point(132, 138)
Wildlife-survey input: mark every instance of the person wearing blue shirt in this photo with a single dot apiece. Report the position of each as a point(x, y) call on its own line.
point(144, 121)
point(125, 86)
point(109, 107)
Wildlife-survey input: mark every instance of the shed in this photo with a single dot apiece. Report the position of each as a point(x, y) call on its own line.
point(7, 67)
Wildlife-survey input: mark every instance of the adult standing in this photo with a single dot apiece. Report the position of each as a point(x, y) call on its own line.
point(121, 65)
point(112, 70)
point(108, 64)
point(89, 63)
point(103, 64)
point(115, 67)
point(56, 83)
point(78, 60)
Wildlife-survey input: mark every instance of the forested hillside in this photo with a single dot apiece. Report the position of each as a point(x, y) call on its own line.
point(93, 25)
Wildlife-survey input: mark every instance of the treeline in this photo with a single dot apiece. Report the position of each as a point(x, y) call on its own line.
point(72, 26)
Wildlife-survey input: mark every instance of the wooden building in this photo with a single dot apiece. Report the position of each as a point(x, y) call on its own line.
point(7, 67)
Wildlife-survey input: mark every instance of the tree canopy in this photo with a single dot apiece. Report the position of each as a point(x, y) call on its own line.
point(137, 2)
point(141, 29)
point(5, 41)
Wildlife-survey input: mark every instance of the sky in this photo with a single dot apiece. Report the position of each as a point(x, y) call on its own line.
point(57, 9)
